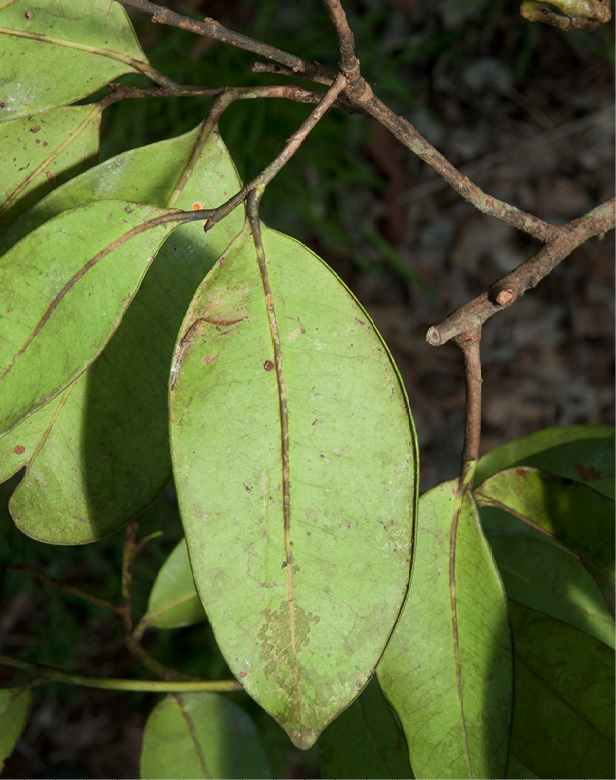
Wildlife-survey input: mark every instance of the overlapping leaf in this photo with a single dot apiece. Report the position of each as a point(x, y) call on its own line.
point(545, 576)
point(54, 52)
point(296, 478)
point(569, 513)
point(107, 454)
point(447, 667)
point(64, 289)
point(174, 601)
point(42, 152)
point(563, 721)
point(582, 453)
point(201, 735)
point(365, 741)
point(15, 704)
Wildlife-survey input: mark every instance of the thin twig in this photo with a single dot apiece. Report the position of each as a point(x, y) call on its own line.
point(469, 343)
point(292, 145)
point(82, 594)
point(526, 276)
point(210, 28)
point(348, 62)
point(49, 674)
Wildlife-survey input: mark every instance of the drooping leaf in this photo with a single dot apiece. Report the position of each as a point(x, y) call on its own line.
point(54, 52)
point(201, 735)
point(173, 600)
point(15, 704)
point(582, 453)
point(41, 152)
point(107, 454)
point(295, 468)
point(563, 719)
point(19, 446)
point(566, 512)
point(64, 290)
point(365, 741)
point(545, 576)
point(447, 667)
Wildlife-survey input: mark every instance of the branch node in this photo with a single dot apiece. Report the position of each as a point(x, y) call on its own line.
point(433, 336)
point(505, 297)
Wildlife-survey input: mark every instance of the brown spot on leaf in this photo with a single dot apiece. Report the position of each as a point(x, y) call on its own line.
point(521, 473)
point(209, 359)
point(268, 365)
point(243, 674)
point(49, 176)
point(35, 129)
point(19, 450)
point(28, 15)
point(587, 473)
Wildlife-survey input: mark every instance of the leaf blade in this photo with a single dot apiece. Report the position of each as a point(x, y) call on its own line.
point(227, 334)
point(447, 667)
point(89, 42)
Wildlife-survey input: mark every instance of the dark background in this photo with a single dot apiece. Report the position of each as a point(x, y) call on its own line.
point(526, 112)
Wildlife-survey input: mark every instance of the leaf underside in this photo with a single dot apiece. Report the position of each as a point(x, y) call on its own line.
point(296, 478)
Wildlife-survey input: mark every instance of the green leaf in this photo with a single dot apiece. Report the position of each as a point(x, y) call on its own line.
point(447, 667)
point(54, 52)
point(582, 453)
point(201, 735)
point(563, 719)
point(18, 447)
point(15, 704)
point(174, 601)
point(542, 575)
point(107, 454)
point(41, 152)
point(296, 477)
point(365, 741)
point(566, 512)
point(64, 289)
point(515, 769)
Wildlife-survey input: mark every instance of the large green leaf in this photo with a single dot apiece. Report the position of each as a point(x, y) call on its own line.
point(41, 152)
point(201, 735)
point(365, 741)
point(54, 52)
point(447, 667)
point(545, 576)
point(15, 704)
point(582, 453)
point(294, 458)
point(64, 290)
point(107, 454)
point(173, 600)
point(566, 512)
point(563, 719)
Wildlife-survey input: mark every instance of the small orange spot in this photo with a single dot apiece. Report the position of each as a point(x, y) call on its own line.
point(19, 450)
point(35, 129)
point(243, 674)
point(197, 206)
point(268, 365)
point(49, 176)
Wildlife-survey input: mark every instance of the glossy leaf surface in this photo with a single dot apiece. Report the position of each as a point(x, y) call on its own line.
point(15, 704)
point(41, 152)
point(64, 289)
point(447, 667)
point(174, 601)
point(563, 720)
point(582, 453)
point(365, 741)
point(107, 455)
point(545, 576)
point(297, 503)
point(569, 513)
point(201, 735)
point(88, 42)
